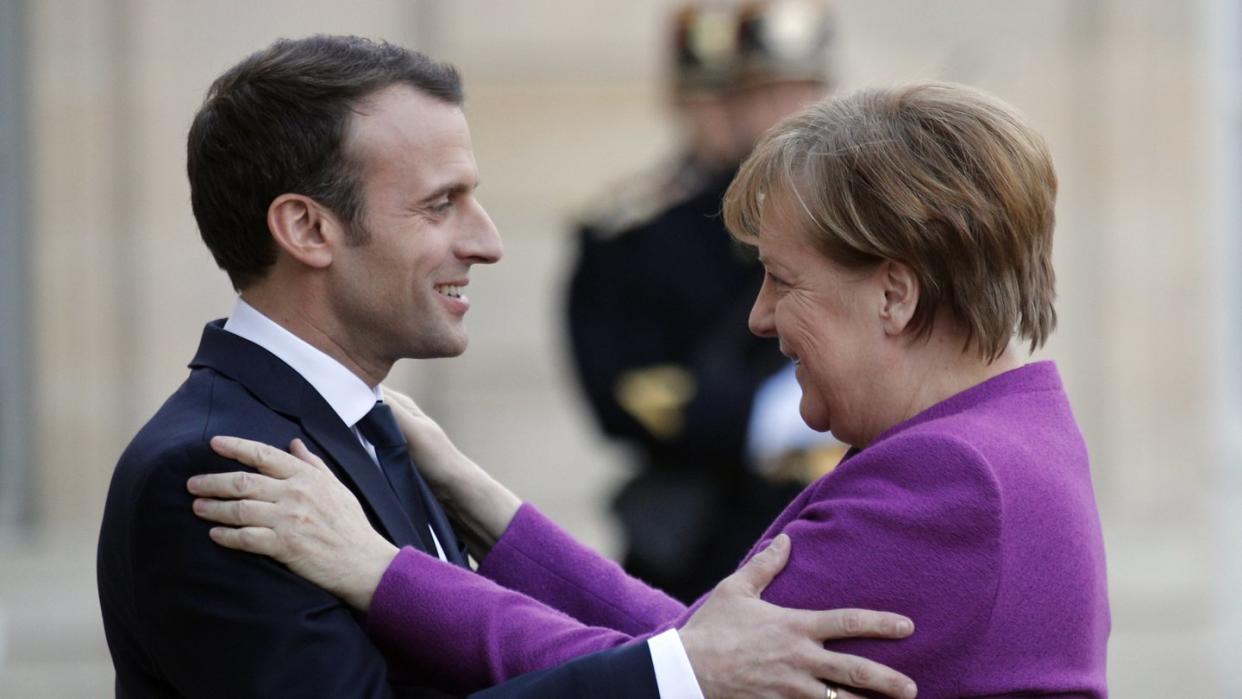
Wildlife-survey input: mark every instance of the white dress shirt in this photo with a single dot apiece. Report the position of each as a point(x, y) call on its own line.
point(348, 395)
point(351, 399)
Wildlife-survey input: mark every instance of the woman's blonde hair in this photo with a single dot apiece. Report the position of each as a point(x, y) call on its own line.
point(941, 177)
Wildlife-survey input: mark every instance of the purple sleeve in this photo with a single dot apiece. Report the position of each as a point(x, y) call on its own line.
point(433, 619)
point(911, 528)
point(538, 558)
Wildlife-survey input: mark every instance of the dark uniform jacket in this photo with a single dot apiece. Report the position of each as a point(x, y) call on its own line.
point(658, 324)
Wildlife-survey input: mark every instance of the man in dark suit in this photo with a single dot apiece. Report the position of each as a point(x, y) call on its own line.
point(332, 178)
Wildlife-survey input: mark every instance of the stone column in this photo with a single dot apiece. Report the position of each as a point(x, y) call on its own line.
point(79, 174)
point(16, 467)
point(1222, 62)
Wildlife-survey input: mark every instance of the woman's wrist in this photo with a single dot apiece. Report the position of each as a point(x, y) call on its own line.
point(364, 577)
point(481, 506)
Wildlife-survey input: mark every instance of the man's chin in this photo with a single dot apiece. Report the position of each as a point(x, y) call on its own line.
point(459, 345)
point(445, 349)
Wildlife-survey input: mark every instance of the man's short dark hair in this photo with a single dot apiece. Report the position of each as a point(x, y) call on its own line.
point(276, 123)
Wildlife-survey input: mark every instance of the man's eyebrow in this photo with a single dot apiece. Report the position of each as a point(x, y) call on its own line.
point(459, 187)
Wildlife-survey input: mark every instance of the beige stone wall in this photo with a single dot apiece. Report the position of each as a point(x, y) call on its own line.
point(564, 97)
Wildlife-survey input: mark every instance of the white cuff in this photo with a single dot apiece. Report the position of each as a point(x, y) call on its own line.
point(674, 675)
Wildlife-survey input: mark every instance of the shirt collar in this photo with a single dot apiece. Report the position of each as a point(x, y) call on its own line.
point(348, 395)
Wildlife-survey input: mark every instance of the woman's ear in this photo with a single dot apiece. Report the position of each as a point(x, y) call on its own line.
point(901, 296)
point(303, 229)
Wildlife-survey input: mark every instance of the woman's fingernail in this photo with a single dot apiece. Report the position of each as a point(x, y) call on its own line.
point(910, 692)
point(905, 626)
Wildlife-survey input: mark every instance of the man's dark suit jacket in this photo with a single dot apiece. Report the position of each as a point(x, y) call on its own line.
point(185, 617)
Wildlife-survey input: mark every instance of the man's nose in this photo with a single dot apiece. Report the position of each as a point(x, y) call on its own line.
point(483, 245)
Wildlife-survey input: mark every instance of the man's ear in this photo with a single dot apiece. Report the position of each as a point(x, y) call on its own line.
point(901, 296)
point(303, 229)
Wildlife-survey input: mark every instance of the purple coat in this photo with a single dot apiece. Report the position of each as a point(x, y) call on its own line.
point(976, 518)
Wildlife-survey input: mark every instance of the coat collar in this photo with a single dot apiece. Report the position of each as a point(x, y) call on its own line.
point(349, 395)
point(283, 390)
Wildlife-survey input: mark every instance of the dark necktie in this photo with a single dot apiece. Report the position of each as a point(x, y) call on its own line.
point(379, 427)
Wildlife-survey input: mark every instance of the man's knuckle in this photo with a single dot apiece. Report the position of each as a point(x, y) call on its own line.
point(807, 657)
point(831, 666)
point(861, 673)
point(852, 622)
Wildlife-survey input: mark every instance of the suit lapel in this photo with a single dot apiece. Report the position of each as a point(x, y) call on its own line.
point(283, 390)
point(439, 523)
point(337, 440)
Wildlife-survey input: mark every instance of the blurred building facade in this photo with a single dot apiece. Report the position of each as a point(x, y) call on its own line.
point(104, 285)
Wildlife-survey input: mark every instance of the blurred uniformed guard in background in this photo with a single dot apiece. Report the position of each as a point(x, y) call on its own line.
point(659, 300)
